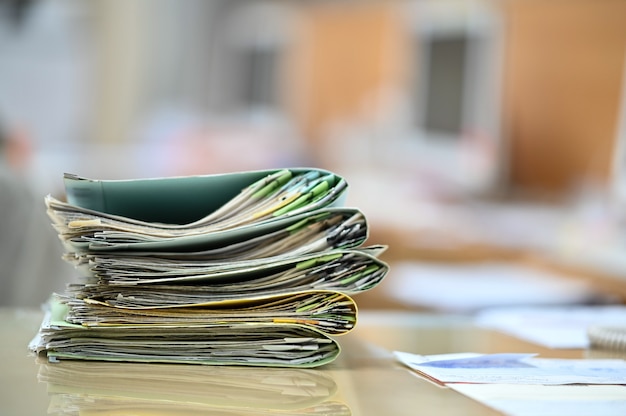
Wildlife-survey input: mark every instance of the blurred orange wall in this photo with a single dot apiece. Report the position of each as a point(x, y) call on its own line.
point(563, 82)
point(344, 54)
point(564, 62)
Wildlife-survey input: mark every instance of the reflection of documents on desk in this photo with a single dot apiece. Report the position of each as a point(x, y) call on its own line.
point(571, 400)
point(514, 369)
point(168, 389)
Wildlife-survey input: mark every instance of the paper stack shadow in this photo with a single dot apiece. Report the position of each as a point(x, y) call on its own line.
point(248, 268)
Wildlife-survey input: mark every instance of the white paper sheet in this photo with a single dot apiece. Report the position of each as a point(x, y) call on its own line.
point(534, 400)
point(470, 288)
point(551, 326)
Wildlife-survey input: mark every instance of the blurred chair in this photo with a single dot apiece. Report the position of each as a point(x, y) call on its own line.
point(31, 267)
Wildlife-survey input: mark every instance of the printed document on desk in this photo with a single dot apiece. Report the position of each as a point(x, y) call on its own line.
point(514, 369)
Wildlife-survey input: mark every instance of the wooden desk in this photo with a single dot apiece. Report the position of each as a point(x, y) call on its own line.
point(365, 380)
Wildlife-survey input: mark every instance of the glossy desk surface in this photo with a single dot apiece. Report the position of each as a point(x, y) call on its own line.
point(364, 380)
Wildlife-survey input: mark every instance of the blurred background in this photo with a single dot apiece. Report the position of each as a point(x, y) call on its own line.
point(483, 139)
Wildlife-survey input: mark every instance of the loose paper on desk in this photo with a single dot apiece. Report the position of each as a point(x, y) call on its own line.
point(533, 400)
point(514, 369)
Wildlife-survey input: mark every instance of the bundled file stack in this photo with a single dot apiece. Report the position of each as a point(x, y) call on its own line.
point(247, 268)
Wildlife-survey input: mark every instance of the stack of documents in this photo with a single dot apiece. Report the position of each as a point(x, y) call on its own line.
point(249, 268)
